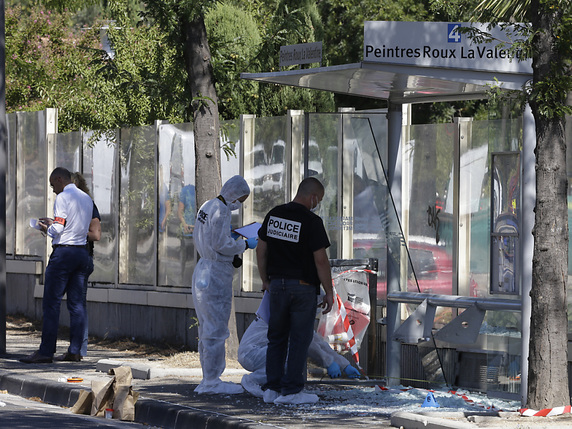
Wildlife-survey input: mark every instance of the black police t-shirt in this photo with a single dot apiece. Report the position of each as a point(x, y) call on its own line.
point(293, 233)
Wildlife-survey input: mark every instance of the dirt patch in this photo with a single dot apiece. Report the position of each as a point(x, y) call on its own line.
point(18, 323)
point(167, 354)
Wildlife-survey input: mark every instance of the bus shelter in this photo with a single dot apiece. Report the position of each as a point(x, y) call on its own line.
point(486, 191)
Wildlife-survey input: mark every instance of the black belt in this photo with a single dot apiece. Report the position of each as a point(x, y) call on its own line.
point(83, 246)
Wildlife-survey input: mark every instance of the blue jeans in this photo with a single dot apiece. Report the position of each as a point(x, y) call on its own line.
point(290, 331)
point(90, 268)
point(66, 273)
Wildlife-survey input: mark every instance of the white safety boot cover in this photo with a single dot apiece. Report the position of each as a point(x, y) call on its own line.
point(297, 399)
point(270, 395)
point(220, 387)
point(251, 386)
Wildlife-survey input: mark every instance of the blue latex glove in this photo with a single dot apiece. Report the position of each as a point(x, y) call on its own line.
point(334, 370)
point(352, 372)
point(251, 242)
point(233, 234)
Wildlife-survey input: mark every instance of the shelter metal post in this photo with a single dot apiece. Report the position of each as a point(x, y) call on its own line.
point(393, 353)
point(372, 343)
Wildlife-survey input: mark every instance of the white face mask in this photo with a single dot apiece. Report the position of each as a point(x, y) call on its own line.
point(235, 205)
point(315, 208)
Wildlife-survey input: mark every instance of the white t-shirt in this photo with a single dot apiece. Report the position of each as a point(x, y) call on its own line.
point(73, 211)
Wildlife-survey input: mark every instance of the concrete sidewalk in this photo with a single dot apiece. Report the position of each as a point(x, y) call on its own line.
point(167, 398)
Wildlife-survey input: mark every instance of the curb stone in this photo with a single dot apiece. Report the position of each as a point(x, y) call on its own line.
point(50, 392)
point(175, 416)
point(147, 411)
point(420, 421)
point(148, 372)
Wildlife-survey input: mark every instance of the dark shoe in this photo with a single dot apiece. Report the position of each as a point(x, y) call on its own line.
point(36, 357)
point(68, 357)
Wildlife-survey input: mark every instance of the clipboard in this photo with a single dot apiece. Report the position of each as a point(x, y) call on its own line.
point(248, 231)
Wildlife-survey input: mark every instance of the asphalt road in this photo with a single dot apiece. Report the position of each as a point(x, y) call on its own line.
point(20, 413)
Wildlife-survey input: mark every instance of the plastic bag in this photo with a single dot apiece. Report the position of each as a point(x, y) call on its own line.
point(345, 326)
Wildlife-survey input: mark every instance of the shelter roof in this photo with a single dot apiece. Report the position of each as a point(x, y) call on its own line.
point(396, 83)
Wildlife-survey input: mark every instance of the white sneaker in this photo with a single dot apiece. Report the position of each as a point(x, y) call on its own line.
point(251, 386)
point(223, 387)
point(270, 395)
point(297, 398)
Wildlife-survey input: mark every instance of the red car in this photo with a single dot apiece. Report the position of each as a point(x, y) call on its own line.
point(430, 264)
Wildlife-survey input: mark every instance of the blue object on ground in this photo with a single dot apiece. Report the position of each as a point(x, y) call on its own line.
point(430, 401)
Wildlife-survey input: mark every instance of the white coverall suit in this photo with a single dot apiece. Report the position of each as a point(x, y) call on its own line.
point(252, 355)
point(212, 282)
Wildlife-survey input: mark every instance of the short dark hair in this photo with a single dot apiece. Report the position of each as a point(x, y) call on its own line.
point(61, 172)
point(310, 185)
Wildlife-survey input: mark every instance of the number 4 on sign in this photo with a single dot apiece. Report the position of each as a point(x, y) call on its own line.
point(453, 36)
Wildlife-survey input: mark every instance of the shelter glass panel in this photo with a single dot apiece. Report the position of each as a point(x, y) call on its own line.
point(31, 187)
point(12, 124)
point(474, 211)
point(266, 160)
point(324, 161)
point(428, 214)
point(501, 335)
point(230, 164)
point(347, 152)
point(231, 149)
point(100, 171)
point(138, 200)
point(176, 250)
point(369, 205)
point(68, 150)
point(428, 208)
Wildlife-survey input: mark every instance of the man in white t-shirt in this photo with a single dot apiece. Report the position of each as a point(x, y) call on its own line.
point(67, 269)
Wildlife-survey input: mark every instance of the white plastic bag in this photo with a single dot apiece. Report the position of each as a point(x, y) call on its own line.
point(345, 326)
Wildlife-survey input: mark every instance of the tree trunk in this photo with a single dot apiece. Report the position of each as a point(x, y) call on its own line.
point(548, 354)
point(206, 130)
point(205, 111)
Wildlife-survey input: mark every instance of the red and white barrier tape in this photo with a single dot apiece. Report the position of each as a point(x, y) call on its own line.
point(526, 412)
point(547, 412)
point(348, 328)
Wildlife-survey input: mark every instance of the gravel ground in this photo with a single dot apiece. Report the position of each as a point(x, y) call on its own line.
point(162, 354)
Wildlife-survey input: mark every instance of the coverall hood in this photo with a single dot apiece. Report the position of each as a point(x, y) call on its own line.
point(234, 188)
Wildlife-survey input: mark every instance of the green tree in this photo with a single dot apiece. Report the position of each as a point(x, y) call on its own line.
point(56, 64)
point(343, 23)
point(43, 58)
point(289, 22)
point(234, 37)
point(139, 82)
point(547, 38)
